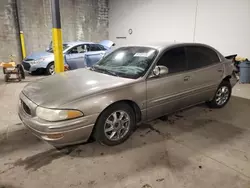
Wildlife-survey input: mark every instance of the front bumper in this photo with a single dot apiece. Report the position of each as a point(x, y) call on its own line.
point(56, 133)
point(30, 67)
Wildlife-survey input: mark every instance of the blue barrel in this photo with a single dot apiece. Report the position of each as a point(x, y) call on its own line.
point(245, 72)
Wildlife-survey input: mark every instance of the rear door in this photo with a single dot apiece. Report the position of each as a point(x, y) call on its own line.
point(205, 70)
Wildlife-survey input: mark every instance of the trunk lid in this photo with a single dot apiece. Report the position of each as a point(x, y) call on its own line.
point(107, 43)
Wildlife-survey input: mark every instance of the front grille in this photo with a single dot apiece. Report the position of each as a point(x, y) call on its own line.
point(26, 66)
point(26, 108)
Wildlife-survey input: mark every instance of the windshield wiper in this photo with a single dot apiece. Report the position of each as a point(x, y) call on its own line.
point(104, 71)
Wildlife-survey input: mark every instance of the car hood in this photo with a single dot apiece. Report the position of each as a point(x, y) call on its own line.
point(38, 55)
point(60, 89)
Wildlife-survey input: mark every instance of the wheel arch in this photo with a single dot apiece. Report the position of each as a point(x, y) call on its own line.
point(51, 62)
point(135, 107)
point(227, 78)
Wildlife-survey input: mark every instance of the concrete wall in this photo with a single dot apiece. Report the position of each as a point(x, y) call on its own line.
point(9, 40)
point(224, 24)
point(81, 20)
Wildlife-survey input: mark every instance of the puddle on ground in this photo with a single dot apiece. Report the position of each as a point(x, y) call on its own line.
point(39, 160)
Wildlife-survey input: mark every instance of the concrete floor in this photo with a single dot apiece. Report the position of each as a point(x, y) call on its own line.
point(195, 148)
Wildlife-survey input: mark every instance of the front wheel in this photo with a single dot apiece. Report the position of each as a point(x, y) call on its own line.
point(222, 95)
point(50, 70)
point(115, 125)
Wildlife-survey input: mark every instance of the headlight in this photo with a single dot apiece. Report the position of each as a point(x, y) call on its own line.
point(57, 115)
point(37, 61)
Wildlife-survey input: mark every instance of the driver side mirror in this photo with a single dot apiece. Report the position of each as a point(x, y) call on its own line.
point(159, 71)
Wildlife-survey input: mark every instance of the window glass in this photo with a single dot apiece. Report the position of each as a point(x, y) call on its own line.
point(127, 62)
point(199, 57)
point(65, 46)
point(101, 47)
point(174, 59)
point(79, 49)
point(94, 47)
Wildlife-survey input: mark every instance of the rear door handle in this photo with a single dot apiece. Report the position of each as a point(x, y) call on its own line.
point(186, 78)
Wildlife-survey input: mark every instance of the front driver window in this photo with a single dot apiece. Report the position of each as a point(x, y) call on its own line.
point(174, 59)
point(79, 49)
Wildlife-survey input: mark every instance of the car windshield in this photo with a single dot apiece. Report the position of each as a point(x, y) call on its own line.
point(65, 46)
point(127, 62)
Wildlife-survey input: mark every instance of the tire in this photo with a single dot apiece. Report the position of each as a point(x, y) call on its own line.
point(48, 69)
point(225, 90)
point(107, 122)
point(21, 71)
point(6, 77)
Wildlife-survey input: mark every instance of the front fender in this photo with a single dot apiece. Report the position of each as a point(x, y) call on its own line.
point(95, 104)
point(45, 63)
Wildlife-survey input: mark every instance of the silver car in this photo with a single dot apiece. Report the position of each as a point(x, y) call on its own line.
point(77, 54)
point(132, 84)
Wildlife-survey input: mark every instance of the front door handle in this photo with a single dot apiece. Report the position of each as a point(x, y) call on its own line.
point(186, 78)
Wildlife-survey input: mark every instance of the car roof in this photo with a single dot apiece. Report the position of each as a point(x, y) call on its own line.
point(163, 45)
point(73, 43)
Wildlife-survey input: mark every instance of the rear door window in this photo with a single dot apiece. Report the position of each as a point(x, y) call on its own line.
point(101, 47)
point(94, 47)
point(174, 59)
point(199, 57)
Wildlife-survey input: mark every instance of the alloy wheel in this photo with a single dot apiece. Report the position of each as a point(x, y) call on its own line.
point(117, 125)
point(52, 69)
point(222, 95)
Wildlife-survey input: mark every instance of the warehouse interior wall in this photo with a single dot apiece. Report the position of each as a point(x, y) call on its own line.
point(9, 36)
point(85, 20)
point(224, 24)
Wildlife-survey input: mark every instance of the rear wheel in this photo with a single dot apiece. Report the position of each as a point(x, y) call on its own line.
point(115, 125)
point(50, 70)
point(222, 95)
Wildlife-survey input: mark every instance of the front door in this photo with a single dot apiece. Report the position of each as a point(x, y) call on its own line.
point(95, 53)
point(75, 56)
point(167, 93)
